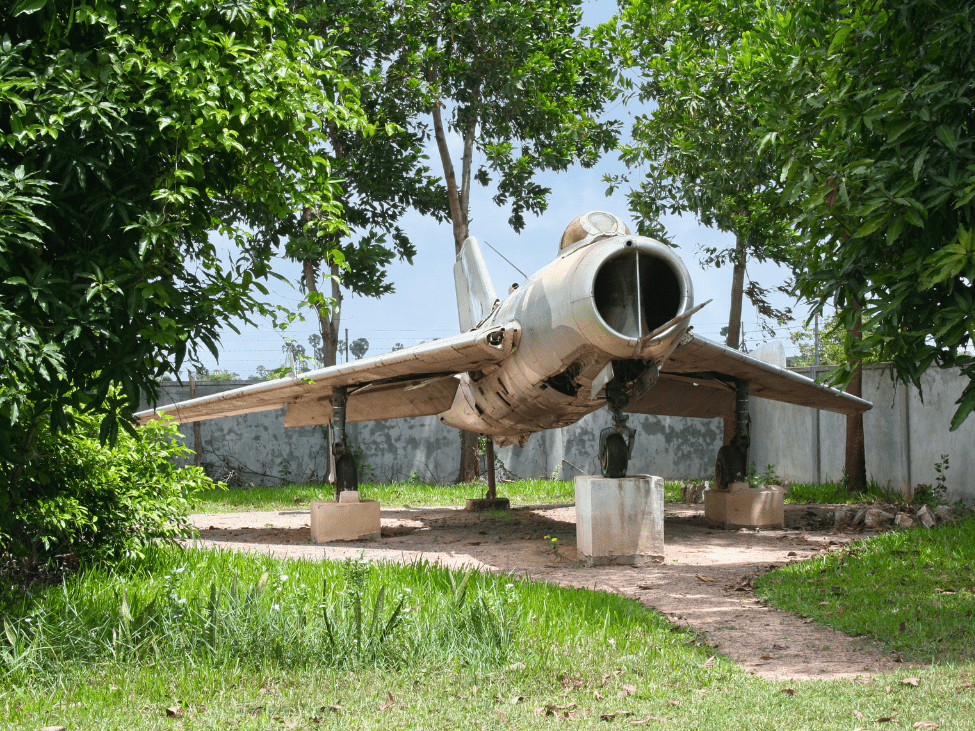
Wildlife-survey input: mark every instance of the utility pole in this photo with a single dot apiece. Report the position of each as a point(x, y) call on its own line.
point(346, 345)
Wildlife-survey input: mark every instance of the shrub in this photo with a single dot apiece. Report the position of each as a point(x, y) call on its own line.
point(79, 501)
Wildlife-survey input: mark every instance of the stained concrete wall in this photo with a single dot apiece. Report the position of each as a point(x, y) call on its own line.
point(904, 436)
point(259, 449)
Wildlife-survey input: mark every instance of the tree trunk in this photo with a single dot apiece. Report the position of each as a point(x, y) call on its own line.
point(737, 293)
point(457, 197)
point(856, 459)
point(328, 320)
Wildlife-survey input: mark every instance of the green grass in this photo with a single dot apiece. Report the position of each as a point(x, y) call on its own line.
point(835, 493)
point(87, 663)
point(393, 494)
point(84, 662)
point(914, 590)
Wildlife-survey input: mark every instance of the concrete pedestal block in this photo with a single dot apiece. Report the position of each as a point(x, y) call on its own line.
point(744, 507)
point(344, 521)
point(619, 521)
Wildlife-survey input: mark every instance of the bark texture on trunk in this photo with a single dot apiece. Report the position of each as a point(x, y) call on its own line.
point(328, 320)
point(856, 457)
point(458, 199)
point(737, 293)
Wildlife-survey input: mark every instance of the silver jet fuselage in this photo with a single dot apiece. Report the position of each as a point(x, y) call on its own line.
point(598, 302)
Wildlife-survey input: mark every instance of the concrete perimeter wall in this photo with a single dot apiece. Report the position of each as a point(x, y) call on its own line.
point(904, 437)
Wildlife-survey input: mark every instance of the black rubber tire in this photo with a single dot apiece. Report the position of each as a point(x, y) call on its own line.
point(728, 467)
point(617, 457)
point(346, 474)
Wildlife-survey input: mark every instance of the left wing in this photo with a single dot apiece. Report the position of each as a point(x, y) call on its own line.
point(416, 381)
point(698, 380)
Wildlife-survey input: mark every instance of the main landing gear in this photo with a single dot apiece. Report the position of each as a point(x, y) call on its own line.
point(344, 474)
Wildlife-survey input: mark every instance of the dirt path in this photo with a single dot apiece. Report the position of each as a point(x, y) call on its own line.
point(703, 582)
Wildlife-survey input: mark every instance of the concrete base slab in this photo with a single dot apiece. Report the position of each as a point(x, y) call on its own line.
point(344, 521)
point(481, 504)
point(619, 521)
point(744, 507)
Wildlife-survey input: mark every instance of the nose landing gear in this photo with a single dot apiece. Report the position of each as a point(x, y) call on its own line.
point(616, 442)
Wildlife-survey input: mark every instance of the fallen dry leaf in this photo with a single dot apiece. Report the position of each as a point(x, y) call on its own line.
point(886, 719)
point(54, 728)
point(857, 714)
point(910, 681)
point(673, 703)
point(702, 577)
point(766, 656)
point(332, 707)
point(630, 689)
point(648, 719)
point(517, 699)
point(390, 702)
point(860, 728)
point(646, 587)
point(596, 695)
point(789, 691)
point(926, 725)
point(503, 717)
point(611, 716)
point(709, 663)
point(863, 681)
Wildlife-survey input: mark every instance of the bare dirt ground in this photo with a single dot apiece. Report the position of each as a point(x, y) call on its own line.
point(703, 583)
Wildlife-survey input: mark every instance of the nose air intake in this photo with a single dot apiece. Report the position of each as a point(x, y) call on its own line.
point(636, 292)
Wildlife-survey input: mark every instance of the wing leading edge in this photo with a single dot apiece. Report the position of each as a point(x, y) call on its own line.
point(416, 381)
point(695, 381)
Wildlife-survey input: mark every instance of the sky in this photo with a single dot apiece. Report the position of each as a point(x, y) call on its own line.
point(423, 307)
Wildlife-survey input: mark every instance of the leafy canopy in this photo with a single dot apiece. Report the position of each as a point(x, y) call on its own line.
point(868, 107)
point(128, 133)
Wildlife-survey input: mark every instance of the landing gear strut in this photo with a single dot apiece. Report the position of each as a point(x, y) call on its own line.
point(732, 463)
point(345, 476)
point(616, 442)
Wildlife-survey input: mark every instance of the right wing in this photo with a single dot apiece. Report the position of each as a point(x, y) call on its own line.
point(698, 380)
point(417, 381)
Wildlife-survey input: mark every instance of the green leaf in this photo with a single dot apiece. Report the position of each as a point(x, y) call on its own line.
point(27, 7)
point(947, 136)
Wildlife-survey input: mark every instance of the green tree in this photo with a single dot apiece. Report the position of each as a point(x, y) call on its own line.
point(834, 345)
point(382, 167)
point(522, 85)
point(359, 347)
point(868, 107)
point(694, 153)
point(128, 133)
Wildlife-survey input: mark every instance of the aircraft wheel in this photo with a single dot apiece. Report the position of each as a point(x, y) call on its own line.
point(616, 456)
point(346, 474)
point(729, 467)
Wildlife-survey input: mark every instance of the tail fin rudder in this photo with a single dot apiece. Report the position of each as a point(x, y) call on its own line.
point(476, 297)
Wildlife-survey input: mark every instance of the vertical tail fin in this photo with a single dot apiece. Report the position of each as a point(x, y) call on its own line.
point(475, 293)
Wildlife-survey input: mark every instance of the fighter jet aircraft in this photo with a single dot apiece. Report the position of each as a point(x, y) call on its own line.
point(606, 323)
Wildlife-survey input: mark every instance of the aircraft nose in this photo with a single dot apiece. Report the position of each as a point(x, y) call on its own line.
point(636, 292)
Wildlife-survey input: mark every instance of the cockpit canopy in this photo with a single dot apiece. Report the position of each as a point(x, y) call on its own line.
point(591, 226)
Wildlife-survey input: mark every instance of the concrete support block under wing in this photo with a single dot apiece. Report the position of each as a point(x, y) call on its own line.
point(744, 507)
point(619, 521)
point(345, 521)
